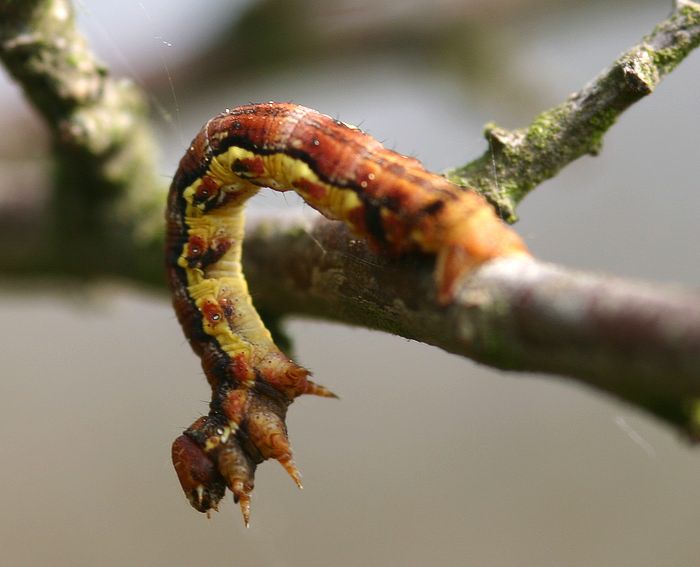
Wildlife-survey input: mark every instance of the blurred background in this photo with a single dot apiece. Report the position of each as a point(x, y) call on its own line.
point(427, 458)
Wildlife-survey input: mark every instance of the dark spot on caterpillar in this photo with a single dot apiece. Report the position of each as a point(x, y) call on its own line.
point(248, 167)
point(251, 449)
point(227, 308)
point(433, 208)
point(268, 391)
point(198, 431)
point(173, 251)
point(207, 191)
point(212, 312)
point(201, 253)
point(364, 176)
point(373, 223)
point(218, 248)
point(189, 315)
point(215, 364)
point(196, 246)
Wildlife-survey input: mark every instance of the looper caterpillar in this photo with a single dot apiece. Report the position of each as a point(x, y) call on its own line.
point(387, 198)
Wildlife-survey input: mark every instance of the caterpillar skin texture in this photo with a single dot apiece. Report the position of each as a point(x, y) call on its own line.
point(387, 198)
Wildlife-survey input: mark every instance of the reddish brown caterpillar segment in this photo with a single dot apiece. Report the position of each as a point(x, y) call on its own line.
point(387, 198)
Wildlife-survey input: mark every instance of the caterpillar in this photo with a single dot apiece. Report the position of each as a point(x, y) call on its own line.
point(387, 198)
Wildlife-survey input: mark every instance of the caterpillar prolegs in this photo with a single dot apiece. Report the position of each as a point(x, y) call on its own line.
point(387, 198)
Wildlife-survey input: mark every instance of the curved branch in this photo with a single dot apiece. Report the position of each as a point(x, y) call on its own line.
point(519, 160)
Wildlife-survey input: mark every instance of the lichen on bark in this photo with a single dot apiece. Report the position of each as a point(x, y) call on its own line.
point(518, 160)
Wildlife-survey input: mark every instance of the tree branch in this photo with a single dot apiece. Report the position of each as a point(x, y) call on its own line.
point(519, 160)
point(105, 212)
point(637, 341)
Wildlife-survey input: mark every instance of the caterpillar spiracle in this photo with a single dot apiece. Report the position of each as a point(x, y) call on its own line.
point(387, 198)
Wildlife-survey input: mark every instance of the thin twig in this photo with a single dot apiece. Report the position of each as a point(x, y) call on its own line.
point(516, 161)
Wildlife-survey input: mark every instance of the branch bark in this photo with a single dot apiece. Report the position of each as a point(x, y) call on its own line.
point(637, 341)
point(516, 161)
point(106, 209)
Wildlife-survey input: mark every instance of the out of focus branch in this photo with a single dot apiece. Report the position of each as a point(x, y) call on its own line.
point(105, 213)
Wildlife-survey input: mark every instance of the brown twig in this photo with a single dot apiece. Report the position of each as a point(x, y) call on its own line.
point(519, 160)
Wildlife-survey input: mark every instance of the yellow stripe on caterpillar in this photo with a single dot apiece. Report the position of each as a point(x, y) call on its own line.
point(387, 198)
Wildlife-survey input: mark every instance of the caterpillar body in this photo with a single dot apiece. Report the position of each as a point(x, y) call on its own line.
point(387, 198)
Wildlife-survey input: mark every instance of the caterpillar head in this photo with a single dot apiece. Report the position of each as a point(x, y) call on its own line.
point(222, 450)
point(199, 478)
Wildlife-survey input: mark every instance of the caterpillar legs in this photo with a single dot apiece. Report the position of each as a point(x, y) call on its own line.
point(223, 449)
